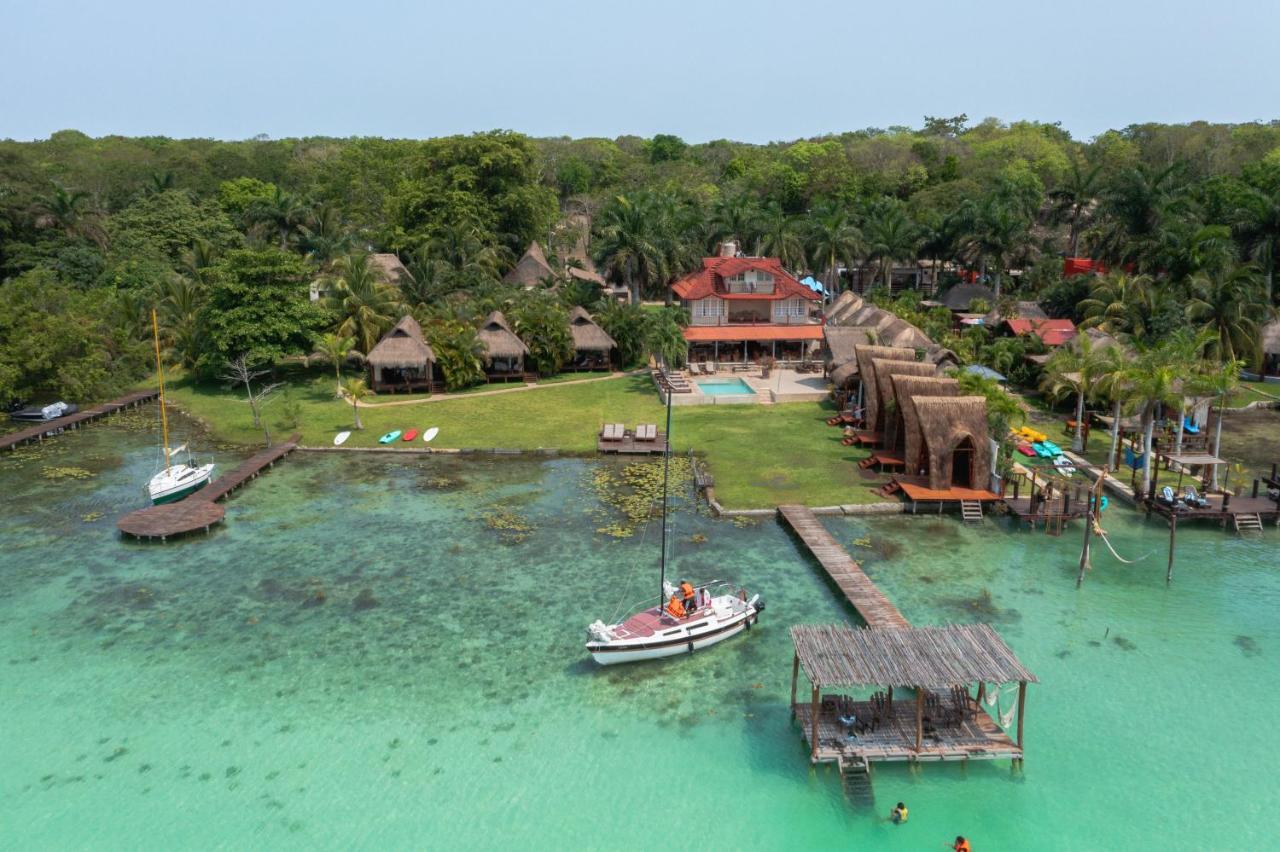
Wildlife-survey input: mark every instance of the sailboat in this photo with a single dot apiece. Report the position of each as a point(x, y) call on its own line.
point(720, 611)
point(178, 479)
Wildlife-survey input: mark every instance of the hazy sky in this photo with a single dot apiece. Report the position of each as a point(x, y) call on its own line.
point(747, 70)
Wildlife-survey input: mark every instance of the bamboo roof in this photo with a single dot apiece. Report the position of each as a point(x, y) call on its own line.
point(499, 340)
point(887, 328)
point(587, 336)
point(402, 346)
point(531, 269)
point(929, 657)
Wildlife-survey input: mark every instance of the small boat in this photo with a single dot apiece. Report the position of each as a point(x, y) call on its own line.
point(428, 435)
point(719, 613)
point(44, 413)
point(178, 479)
point(410, 435)
point(341, 438)
point(389, 437)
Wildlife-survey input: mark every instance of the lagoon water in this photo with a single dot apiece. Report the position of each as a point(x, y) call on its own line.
point(378, 653)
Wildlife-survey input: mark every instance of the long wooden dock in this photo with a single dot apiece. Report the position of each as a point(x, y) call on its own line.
point(876, 610)
point(57, 426)
point(201, 510)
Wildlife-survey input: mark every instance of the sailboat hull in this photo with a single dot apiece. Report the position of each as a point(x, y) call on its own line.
point(693, 635)
point(180, 494)
point(177, 483)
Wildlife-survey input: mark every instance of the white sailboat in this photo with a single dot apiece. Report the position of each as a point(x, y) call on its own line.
point(652, 632)
point(178, 479)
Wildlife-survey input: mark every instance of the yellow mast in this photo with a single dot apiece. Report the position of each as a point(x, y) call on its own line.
point(164, 417)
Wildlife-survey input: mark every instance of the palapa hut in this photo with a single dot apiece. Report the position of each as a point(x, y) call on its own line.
point(865, 355)
point(906, 389)
point(956, 451)
point(402, 360)
point(592, 345)
point(504, 353)
point(531, 270)
point(390, 269)
point(885, 329)
point(838, 350)
point(890, 405)
point(960, 297)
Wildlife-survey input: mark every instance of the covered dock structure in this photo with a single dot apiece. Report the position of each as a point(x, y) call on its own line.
point(940, 710)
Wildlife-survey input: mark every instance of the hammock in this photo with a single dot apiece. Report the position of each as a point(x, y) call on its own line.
point(1102, 534)
point(1132, 459)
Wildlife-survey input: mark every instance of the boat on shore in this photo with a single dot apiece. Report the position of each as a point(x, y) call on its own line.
point(178, 479)
point(43, 413)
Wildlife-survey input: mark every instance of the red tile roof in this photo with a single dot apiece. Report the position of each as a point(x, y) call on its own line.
point(708, 333)
point(709, 280)
point(1054, 332)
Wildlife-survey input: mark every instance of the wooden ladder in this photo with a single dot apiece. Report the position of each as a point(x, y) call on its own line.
point(1248, 523)
point(855, 778)
point(971, 511)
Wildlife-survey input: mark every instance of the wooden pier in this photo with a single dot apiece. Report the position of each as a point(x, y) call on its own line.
point(201, 511)
point(50, 428)
point(876, 610)
point(630, 445)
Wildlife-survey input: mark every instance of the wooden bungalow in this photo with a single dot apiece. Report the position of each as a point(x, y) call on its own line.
point(504, 353)
point(946, 437)
point(402, 360)
point(592, 345)
point(941, 709)
point(532, 270)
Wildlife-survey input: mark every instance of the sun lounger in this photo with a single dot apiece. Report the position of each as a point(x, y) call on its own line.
point(1192, 498)
point(1168, 497)
point(610, 432)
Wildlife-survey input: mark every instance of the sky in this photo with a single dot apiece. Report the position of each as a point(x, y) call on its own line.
point(748, 70)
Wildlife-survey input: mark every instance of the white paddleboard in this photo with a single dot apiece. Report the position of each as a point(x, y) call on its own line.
point(340, 438)
point(430, 433)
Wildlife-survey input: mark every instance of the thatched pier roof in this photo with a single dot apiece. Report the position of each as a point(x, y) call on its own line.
point(402, 347)
point(587, 336)
point(499, 340)
point(929, 657)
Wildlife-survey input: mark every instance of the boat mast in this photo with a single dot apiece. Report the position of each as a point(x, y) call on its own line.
point(666, 467)
point(164, 417)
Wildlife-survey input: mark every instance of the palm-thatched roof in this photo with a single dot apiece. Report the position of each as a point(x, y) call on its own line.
point(587, 336)
point(531, 269)
point(402, 346)
point(906, 389)
point(865, 355)
point(944, 422)
point(389, 268)
point(499, 340)
point(931, 657)
point(890, 330)
point(1021, 310)
point(839, 341)
point(959, 297)
point(1270, 338)
point(890, 406)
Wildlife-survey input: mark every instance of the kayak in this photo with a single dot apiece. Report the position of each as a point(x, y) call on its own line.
point(410, 435)
point(430, 433)
point(389, 437)
point(341, 438)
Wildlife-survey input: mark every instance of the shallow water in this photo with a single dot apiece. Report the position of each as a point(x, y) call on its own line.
point(387, 653)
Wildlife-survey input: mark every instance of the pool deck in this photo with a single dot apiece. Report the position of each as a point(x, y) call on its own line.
point(783, 385)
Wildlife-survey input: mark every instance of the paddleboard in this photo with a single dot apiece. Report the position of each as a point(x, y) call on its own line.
point(430, 433)
point(340, 438)
point(389, 437)
point(410, 435)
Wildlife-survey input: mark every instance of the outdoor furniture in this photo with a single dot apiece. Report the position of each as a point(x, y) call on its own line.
point(1192, 498)
point(646, 432)
point(613, 432)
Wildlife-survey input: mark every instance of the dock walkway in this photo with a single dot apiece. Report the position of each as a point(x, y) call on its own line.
point(201, 510)
point(876, 610)
point(48, 428)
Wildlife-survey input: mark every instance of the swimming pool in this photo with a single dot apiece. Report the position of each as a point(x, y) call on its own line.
point(724, 387)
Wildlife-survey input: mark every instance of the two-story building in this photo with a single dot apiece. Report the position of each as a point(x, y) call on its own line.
point(744, 308)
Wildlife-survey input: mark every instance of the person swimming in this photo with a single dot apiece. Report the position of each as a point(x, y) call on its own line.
point(899, 814)
point(961, 845)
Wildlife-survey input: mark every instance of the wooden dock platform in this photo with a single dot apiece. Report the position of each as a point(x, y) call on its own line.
point(630, 446)
point(876, 610)
point(49, 428)
point(201, 511)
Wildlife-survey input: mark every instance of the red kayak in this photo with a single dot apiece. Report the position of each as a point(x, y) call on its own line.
point(410, 435)
point(1026, 450)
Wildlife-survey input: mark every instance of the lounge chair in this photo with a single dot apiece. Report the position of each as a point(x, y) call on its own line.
point(1167, 496)
point(610, 432)
point(646, 432)
point(1192, 498)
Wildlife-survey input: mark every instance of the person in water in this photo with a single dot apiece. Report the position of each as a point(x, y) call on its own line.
point(899, 814)
point(690, 602)
point(961, 845)
point(675, 607)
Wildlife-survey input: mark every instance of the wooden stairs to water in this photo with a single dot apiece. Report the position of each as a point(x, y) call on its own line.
point(971, 511)
point(855, 778)
point(1248, 523)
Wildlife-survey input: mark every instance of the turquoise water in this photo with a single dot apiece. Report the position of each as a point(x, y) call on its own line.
point(378, 652)
point(724, 387)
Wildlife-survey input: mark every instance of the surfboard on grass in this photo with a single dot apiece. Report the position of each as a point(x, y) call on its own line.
point(341, 438)
point(430, 433)
point(410, 435)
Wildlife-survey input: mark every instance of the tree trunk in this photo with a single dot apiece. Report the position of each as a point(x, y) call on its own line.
point(1217, 442)
point(253, 404)
point(1177, 434)
point(1075, 228)
point(337, 371)
point(996, 288)
point(1115, 432)
point(1077, 441)
point(355, 406)
point(1148, 427)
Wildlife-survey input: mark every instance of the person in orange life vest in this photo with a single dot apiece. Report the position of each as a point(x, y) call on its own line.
point(675, 607)
point(961, 845)
point(686, 591)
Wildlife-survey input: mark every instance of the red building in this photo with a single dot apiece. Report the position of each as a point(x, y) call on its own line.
point(744, 308)
point(1052, 332)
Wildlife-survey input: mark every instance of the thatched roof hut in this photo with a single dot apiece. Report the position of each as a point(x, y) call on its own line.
point(839, 342)
point(587, 336)
point(532, 268)
point(959, 297)
point(889, 406)
point(500, 342)
point(850, 310)
point(956, 450)
point(906, 389)
point(1021, 310)
point(1270, 338)
point(389, 268)
point(865, 355)
point(401, 356)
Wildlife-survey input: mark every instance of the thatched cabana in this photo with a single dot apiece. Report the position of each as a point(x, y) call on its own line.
point(531, 270)
point(592, 345)
point(390, 269)
point(908, 436)
point(959, 297)
point(886, 328)
point(839, 342)
point(944, 721)
point(866, 371)
point(402, 360)
point(504, 353)
point(890, 406)
point(956, 450)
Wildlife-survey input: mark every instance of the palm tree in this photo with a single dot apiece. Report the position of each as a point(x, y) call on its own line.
point(1136, 207)
point(181, 302)
point(366, 305)
point(629, 246)
point(1218, 379)
point(198, 260)
point(833, 239)
point(889, 236)
point(283, 212)
point(1074, 198)
point(324, 234)
point(357, 391)
point(1155, 379)
point(336, 348)
point(463, 245)
point(998, 232)
point(458, 351)
point(1073, 369)
point(734, 218)
point(1228, 303)
point(69, 211)
point(1257, 224)
point(779, 237)
point(1119, 304)
point(1113, 383)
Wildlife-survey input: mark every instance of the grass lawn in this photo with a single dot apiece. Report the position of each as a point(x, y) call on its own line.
point(760, 455)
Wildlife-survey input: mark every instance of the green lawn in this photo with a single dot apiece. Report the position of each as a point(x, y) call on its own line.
point(760, 455)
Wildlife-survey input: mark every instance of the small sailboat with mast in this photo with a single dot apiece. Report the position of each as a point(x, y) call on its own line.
point(178, 479)
point(718, 611)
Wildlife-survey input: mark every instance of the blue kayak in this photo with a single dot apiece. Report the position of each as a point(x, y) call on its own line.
point(389, 437)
